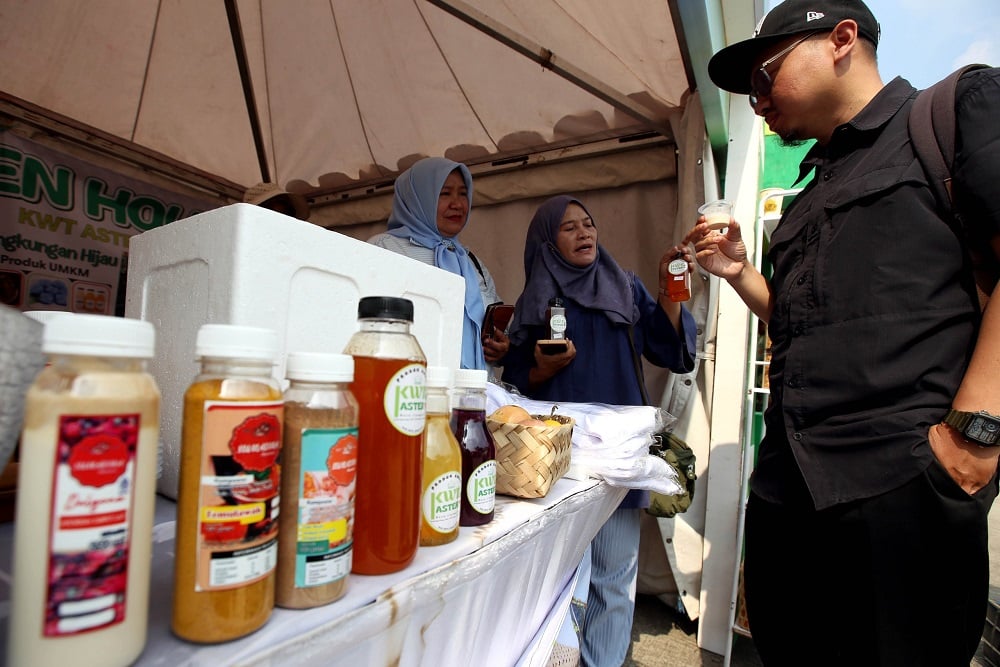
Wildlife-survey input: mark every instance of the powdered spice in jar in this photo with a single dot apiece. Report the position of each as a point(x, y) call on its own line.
point(318, 473)
point(86, 490)
point(227, 505)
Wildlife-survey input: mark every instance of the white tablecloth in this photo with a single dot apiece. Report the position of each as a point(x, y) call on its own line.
point(495, 596)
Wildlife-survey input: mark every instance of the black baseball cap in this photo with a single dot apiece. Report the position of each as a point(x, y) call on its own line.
point(730, 67)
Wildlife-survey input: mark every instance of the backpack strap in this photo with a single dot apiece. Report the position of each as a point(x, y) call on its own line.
point(932, 129)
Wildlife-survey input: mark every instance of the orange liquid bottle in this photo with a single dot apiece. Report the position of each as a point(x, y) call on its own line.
point(389, 379)
point(227, 502)
point(678, 280)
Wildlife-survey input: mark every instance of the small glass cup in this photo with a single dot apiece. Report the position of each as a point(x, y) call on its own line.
point(717, 213)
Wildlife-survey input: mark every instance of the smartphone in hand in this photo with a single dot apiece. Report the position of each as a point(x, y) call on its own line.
point(498, 315)
point(553, 346)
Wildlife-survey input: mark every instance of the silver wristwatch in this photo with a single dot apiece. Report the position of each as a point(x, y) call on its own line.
point(980, 427)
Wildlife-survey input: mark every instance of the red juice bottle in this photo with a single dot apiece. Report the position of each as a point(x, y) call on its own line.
point(479, 466)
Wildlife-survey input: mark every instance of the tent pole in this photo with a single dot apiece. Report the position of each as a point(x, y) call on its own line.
point(239, 46)
point(549, 60)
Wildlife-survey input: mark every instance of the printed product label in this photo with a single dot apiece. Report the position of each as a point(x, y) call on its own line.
point(404, 399)
point(239, 502)
point(557, 324)
point(442, 502)
point(481, 487)
point(92, 490)
point(326, 505)
point(677, 267)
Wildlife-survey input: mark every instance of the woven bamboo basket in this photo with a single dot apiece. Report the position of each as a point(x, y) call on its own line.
point(530, 459)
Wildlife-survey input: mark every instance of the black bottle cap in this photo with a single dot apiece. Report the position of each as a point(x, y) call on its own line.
point(385, 308)
point(556, 301)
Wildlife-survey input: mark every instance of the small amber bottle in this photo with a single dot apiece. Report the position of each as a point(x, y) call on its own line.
point(678, 280)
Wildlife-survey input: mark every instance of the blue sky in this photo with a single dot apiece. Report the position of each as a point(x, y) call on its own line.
point(924, 40)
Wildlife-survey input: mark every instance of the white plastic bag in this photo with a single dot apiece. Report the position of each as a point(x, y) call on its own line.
point(610, 442)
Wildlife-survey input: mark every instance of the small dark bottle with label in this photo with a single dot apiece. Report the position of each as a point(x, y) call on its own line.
point(557, 319)
point(468, 423)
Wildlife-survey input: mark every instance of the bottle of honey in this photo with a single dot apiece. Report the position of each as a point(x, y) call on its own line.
point(227, 503)
point(442, 487)
point(678, 279)
point(389, 379)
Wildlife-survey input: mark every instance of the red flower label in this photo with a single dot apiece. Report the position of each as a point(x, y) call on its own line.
point(98, 460)
point(342, 461)
point(256, 442)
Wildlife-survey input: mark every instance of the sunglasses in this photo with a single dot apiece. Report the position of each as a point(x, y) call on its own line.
point(760, 80)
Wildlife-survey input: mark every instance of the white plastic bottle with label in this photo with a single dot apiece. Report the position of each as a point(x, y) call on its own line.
point(86, 491)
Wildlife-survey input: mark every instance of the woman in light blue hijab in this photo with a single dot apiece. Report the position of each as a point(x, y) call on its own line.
point(429, 208)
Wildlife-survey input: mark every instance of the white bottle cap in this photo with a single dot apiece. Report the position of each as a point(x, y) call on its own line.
point(99, 336)
point(45, 316)
point(320, 367)
point(470, 378)
point(232, 341)
point(438, 376)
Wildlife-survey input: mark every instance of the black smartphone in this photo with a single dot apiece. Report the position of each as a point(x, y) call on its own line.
point(553, 346)
point(498, 315)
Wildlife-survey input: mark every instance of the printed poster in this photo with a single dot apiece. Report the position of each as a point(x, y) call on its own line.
point(65, 226)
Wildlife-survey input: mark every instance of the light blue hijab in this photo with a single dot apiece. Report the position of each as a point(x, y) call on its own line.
point(414, 217)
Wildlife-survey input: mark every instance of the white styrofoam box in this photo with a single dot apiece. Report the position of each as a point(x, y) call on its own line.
point(247, 265)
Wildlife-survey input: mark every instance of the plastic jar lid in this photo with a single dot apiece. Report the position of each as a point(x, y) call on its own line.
point(385, 308)
point(470, 378)
point(232, 341)
point(438, 376)
point(45, 316)
point(319, 367)
point(99, 336)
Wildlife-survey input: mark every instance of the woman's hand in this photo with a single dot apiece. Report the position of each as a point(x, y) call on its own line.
point(495, 346)
point(672, 308)
point(721, 255)
point(547, 365)
point(668, 256)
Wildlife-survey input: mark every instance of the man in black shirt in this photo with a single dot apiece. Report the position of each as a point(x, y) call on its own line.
point(866, 525)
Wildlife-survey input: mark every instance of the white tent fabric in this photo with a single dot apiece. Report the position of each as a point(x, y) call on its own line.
point(347, 91)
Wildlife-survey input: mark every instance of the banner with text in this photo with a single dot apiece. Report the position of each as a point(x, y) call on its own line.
point(65, 225)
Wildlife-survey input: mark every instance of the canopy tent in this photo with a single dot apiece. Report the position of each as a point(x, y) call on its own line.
point(324, 95)
point(333, 98)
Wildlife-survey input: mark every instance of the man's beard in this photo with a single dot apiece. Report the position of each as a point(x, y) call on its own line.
point(792, 142)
